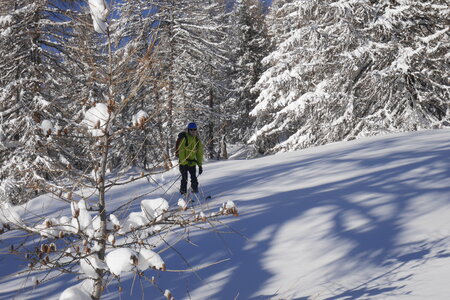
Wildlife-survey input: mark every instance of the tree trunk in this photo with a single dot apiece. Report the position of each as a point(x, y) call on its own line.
point(98, 287)
point(211, 140)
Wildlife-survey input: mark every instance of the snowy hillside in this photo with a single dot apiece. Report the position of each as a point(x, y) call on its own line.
point(366, 219)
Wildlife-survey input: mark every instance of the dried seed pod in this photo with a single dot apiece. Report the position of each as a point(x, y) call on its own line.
point(134, 260)
point(48, 224)
point(36, 117)
point(111, 239)
point(111, 106)
point(44, 248)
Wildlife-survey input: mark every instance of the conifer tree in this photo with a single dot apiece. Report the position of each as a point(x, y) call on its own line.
point(192, 47)
point(31, 97)
point(250, 46)
point(383, 69)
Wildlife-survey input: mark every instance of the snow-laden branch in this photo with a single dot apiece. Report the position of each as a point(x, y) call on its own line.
point(99, 13)
point(74, 241)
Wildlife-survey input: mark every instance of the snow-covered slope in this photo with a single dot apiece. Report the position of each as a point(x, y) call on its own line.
point(366, 219)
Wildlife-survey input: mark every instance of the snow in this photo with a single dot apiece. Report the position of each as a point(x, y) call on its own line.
point(387, 19)
point(6, 186)
point(134, 220)
point(121, 260)
point(365, 219)
point(402, 63)
point(90, 264)
point(84, 219)
point(182, 204)
point(8, 214)
point(434, 36)
point(154, 208)
point(47, 126)
point(95, 119)
point(74, 293)
point(150, 259)
point(114, 220)
point(139, 118)
point(99, 13)
point(168, 294)
point(4, 20)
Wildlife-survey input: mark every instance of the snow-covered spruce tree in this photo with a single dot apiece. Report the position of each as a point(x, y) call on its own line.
point(353, 68)
point(192, 40)
point(250, 45)
point(31, 97)
point(213, 90)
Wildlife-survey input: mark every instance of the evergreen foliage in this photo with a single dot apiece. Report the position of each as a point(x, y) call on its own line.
point(307, 73)
point(192, 49)
point(32, 97)
point(251, 45)
point(347, 69)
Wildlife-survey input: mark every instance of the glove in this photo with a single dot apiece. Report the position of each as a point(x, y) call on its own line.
point(200, 170)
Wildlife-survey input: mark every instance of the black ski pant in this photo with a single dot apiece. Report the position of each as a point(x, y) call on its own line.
point(184, 178)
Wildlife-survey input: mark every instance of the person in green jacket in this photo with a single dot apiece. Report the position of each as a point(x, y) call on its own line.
point(190, 154)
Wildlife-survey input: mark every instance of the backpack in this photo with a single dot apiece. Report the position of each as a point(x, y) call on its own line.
point(181, 135)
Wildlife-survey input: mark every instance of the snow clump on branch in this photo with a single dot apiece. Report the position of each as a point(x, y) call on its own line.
point(154, 209)
point(95, 119)
point(47, 127)
point(139, 119)
point(99, 13)
point(74, 293)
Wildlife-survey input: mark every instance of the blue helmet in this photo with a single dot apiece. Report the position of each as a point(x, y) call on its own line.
point(192, 125)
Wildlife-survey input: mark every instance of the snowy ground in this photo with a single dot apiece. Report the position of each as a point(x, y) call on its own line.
point(366, 219)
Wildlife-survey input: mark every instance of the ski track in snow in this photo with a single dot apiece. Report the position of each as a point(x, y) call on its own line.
point(365, 219)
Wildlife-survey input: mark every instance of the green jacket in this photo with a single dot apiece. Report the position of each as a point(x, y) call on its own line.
point(192, 153)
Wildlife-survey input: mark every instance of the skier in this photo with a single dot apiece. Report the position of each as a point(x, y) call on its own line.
point(190, 154)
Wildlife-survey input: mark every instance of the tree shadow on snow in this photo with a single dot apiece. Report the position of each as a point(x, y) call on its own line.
point(377, 244)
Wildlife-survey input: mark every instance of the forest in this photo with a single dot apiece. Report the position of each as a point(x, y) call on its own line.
point(279, 78)
point(91, 89)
